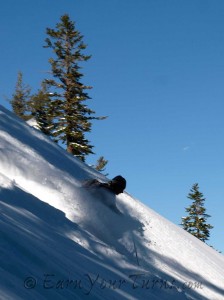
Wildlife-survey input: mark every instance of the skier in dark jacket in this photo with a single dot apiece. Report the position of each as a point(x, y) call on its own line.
point(116, 185)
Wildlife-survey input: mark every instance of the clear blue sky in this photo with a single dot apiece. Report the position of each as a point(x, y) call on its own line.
point(157, 71)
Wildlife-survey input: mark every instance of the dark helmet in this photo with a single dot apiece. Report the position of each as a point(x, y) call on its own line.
point(117, 184)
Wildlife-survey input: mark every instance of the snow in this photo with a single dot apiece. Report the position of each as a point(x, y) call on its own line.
point(60, 240)
point(33, 123)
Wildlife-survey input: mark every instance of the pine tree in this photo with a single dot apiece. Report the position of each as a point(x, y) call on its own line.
point(20, 99)
point(101, 164)
point(41, 108)
point(72, 117)
point(195, 222)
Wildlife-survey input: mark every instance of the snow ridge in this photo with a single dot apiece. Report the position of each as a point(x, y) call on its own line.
point(60, 240)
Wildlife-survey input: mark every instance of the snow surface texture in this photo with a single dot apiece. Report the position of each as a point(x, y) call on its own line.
point(60, 240)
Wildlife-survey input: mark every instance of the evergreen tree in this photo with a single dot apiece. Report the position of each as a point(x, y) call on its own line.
point(20, 99)
point(101, 163)
point(41, 108)
point(195, 222)
point(72, 117)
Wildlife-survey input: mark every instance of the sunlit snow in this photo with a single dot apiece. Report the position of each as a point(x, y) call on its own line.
point(60, 240)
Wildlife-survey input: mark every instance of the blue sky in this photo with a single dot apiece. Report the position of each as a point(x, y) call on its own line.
point(157, 71)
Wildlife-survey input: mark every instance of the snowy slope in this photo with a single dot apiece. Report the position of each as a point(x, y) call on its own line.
point(59, 240)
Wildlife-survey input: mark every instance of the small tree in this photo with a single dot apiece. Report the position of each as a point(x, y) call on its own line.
point(72, 117)
point(42, 110)
point(101, 164)
point(195, 222)
point(21, 98)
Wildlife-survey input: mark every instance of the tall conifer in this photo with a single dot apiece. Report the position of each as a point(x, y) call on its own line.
point(72, 117)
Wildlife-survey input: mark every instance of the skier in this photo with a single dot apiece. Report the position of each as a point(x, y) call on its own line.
point(116, 185)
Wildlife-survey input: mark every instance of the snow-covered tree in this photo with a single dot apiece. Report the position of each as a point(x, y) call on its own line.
point(196, 221)
point(72, 117)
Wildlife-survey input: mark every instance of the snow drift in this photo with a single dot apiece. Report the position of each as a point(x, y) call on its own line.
point(62, 241)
